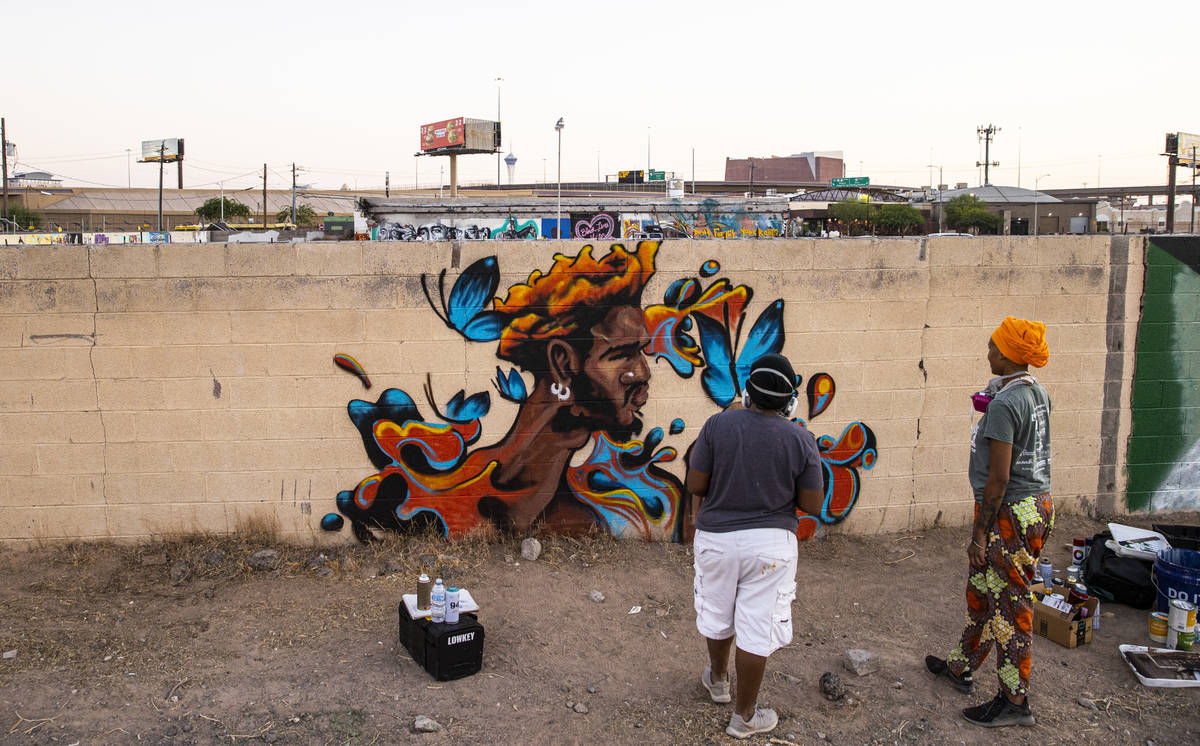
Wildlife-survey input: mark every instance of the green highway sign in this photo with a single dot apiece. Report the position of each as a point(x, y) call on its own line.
point(657, 175)
point(852, 181)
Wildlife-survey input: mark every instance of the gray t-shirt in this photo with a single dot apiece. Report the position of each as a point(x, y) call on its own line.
point(1020, 414)
point(755, 462)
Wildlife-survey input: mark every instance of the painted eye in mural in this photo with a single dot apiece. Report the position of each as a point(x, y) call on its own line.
point(820, 393)
point(511, 387)
point(710, 268)
point(723, 377)
point(468, 409)
point(464, 312)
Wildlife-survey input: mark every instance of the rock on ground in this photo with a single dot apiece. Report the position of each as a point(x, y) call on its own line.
point(861, 662)
point(426, 725)
point(831, 686)
point(531, 549)
point(596, 596)
point(263, 559)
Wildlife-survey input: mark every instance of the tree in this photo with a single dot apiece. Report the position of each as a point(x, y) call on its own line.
point(211, 209)
point(966, 212)
point(305, 215)
point(854, 216)
point(24, 217)
point(897, 219)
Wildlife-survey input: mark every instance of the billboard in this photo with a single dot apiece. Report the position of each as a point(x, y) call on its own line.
point(631, 177)
point(444, 134)
point(167, 150)
point(461, 134)
point(1189, 148)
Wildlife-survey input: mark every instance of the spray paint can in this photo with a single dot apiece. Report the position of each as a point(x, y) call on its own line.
point(1073, 575)
point(1046, 571)
point(437, 602)
point(1078, 550)
point(452, 605)
point(1096, 618)
point(424, 588)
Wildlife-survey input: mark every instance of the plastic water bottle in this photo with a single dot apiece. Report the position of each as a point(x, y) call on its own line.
point(452, 602)
point(438, 601)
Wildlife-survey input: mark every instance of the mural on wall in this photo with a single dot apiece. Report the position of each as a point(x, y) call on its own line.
point(582, 336)
point(709, 219)
point(1164, 445)
point(598, 225)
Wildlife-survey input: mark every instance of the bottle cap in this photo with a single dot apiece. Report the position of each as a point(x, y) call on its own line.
point(453, 588)
point(438, 580)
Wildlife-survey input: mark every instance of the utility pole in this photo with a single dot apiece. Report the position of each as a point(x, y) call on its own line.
point(264, 215)
point(4, 160)
point(751, 177)
point(162, 152)
point(293, 193)
point(498, 145)
point(986, 134)
point(939, 191)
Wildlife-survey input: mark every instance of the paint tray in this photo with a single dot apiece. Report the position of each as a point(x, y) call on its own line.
point(1174, 669)
point(1139, 543)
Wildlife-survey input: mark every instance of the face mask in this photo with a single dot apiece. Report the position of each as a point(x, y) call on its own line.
point(981, 399)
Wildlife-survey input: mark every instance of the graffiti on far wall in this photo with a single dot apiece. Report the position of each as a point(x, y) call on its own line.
point(575, 345)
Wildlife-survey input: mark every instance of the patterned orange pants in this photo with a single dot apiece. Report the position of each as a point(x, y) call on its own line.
point(999, 602)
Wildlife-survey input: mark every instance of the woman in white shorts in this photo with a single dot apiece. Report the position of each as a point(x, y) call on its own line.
point(752, 467)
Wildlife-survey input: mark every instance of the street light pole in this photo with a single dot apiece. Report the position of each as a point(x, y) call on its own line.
point(1036, 200)
point(128, 171)
point(498, 82)
point(558, 214)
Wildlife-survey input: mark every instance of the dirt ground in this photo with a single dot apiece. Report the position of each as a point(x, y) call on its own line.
point(120, 644)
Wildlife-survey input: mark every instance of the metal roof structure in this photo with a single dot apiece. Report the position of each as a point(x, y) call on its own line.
point(993, 194)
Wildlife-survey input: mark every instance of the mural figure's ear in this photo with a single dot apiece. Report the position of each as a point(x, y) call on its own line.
point(565, 362)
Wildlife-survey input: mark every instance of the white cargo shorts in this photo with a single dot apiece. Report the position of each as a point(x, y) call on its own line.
point(745, 583)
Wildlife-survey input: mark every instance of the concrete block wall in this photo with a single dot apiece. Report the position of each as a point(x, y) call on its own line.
point(149, 390)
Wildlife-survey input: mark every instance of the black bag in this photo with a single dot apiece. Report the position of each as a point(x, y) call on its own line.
point(1124, 580)
point(447, 651)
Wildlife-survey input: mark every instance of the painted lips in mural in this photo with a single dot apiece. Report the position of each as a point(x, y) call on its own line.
point(581, 333)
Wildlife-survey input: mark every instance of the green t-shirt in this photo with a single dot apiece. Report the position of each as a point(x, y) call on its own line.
point(1019, 414)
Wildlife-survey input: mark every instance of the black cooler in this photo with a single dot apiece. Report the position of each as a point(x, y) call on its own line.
point(447, 651)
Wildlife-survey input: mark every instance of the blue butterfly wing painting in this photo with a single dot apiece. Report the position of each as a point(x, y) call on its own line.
point(718, 376)
point(472, 292)
point(765, 337)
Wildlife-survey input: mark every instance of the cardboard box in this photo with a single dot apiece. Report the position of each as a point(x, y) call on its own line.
point(1055, 624)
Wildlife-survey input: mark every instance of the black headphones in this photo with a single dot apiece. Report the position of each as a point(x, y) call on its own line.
point(786, 411)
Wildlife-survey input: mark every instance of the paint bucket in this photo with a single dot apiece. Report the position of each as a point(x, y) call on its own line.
point(1158, 627)
point(1185, 640)
point(1176, 574)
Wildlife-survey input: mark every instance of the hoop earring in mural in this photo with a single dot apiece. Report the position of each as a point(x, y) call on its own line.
point(561, 390)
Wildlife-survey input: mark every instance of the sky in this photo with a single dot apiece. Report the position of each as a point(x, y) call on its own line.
point(1083, 93)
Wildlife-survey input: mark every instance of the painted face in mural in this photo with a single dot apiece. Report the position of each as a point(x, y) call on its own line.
point(580, 330)
point(609, 382)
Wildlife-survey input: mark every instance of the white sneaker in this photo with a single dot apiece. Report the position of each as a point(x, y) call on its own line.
point(763, 721)
point(718, 690)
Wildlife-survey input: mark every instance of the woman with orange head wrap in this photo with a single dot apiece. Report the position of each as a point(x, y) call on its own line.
point(1010, 475)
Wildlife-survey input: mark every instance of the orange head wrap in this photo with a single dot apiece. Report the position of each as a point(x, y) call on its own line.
point(1021, 341)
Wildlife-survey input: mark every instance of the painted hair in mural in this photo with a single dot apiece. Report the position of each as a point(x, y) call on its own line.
point(581, 333)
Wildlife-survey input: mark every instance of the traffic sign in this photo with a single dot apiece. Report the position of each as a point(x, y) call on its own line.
point(657, 175)
point(852, 181)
